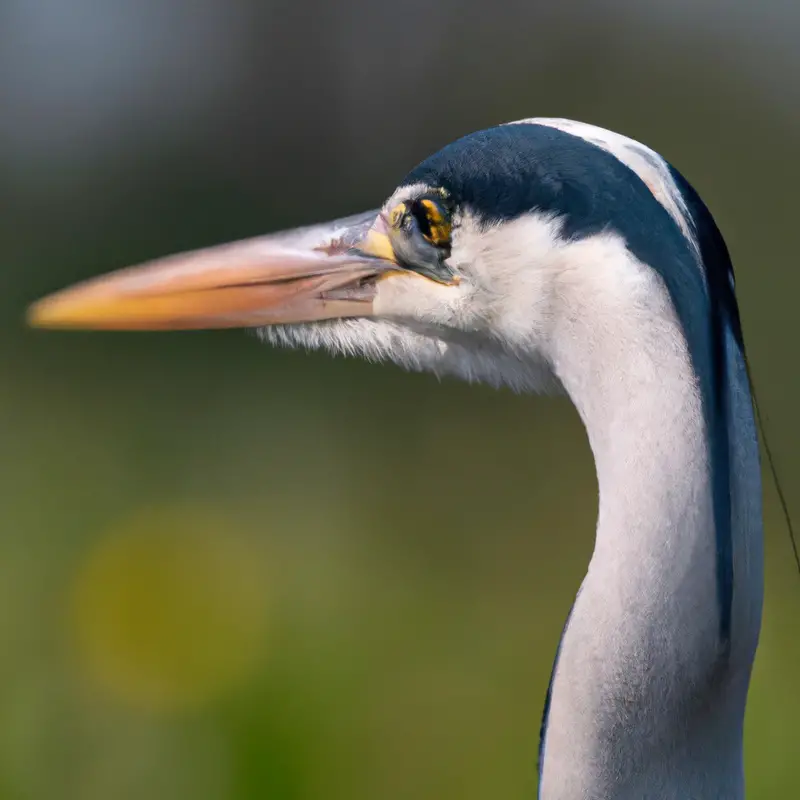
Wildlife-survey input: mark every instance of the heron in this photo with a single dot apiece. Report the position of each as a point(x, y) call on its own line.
point(549, 255)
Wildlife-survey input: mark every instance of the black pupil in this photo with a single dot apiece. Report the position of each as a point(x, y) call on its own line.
point(420, 214)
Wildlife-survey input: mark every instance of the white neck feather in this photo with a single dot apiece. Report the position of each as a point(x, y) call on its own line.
point(647, 702)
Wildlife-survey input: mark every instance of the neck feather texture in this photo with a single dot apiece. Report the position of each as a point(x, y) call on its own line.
point(647, 698)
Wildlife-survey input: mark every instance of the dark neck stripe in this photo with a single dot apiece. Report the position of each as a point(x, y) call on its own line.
point(723, 317)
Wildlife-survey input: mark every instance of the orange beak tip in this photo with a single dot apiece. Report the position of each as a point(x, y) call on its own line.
point(36, 315)
point(49, 312)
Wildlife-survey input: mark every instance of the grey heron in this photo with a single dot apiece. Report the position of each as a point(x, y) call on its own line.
point(550, 255)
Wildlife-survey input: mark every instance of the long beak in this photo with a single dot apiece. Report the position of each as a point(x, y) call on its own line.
point(320, 272)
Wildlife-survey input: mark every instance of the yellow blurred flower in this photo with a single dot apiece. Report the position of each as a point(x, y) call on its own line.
point(168, 610)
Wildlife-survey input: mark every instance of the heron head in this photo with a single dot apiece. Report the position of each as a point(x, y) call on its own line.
point(463, 270)
point(427, 280)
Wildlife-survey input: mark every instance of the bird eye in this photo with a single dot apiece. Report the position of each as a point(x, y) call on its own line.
point(428, 215)
point(433, 220)
point(420, 235)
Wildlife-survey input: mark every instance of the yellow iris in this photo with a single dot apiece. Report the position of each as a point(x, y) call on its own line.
point(437, 227)
point(438, 224)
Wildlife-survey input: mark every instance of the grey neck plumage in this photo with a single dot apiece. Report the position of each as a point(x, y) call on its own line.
point(647, 698)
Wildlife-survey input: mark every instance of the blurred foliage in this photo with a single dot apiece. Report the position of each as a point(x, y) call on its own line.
point(233, 572)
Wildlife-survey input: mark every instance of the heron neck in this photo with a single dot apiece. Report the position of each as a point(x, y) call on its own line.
point(647, 699)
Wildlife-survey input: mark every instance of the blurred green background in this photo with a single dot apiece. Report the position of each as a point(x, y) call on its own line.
point(233, 572)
